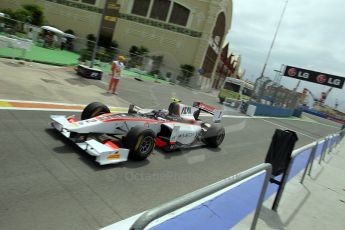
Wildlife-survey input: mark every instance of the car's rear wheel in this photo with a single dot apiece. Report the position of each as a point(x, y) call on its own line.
point(94, 109)
point(214, 136)
point(140, 141)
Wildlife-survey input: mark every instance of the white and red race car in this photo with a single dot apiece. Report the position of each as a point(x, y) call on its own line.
point(116, 137)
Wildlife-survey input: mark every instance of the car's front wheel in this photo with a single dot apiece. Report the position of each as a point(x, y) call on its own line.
point(94, 109)
point(140, 141)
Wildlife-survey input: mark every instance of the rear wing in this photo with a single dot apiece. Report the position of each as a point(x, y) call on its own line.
point(217, 113)
point(204, 107)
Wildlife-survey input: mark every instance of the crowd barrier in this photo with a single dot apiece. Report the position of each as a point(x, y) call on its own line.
point(224, 204)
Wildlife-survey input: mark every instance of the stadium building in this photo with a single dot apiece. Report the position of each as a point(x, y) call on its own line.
point(182, 31)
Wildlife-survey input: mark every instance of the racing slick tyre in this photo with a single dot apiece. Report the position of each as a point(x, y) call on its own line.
point(94, 109)
point(214, 136)
point(140, 141)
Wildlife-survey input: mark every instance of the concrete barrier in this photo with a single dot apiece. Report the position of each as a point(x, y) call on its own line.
point(218, 206)
point(224, 204)
point(268, 110)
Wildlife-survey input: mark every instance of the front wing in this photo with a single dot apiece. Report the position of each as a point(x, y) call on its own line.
point(105, 153)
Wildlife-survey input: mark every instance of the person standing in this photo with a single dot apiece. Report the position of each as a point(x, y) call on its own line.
point(63, 42)
point(116, 69)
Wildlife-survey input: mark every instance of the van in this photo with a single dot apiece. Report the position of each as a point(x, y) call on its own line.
point(234, 91)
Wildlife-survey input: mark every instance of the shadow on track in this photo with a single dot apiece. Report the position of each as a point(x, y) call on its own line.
point(184, 151)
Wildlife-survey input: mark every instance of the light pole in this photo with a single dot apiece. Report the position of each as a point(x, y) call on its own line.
point(277, 78)
point(273, 41)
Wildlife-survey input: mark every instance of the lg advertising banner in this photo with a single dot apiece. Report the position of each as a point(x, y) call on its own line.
point(316, 77)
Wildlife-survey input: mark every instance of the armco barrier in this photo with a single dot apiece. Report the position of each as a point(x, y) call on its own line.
point(302, 159)
point(233, 198)
point(218, 206)
point(320, 148)
point(223, 211)
point(299, 161)
point(323, 146)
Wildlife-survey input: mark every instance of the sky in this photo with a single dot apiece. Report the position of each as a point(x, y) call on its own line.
point(311, 36)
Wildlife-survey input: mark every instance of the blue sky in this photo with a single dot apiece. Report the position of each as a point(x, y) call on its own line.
point(311, 36)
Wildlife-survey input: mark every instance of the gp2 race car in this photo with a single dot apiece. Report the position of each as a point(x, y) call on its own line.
point(116, 137)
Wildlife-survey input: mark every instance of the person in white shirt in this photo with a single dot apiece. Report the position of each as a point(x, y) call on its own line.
point(116, 69)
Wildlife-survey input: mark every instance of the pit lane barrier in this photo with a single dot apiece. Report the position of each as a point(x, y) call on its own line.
point(224, 204)
point(302, 159)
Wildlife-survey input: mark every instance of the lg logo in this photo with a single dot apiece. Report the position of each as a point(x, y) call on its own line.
point(312, 76)
point(292, 72)
point(321, 78)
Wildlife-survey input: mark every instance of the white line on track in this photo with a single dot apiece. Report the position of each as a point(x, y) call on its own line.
point(39, 109)
point(40, 102)
point(122, 108)
point(284, 127)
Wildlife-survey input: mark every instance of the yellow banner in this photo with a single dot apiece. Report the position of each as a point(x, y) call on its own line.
point(110, 18)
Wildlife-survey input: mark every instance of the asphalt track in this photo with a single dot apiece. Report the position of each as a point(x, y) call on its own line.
point(51, 184)
point(48, 183)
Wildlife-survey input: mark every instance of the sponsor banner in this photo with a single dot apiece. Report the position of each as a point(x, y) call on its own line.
point(315, 77)
point(109, 20)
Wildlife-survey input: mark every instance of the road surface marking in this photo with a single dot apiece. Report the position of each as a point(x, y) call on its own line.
point(6, 104)
point(47, 106)
point(284, 127)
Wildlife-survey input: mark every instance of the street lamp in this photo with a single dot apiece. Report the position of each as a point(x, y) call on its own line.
point(258, 80)
point(273, 41)
point(277, 78)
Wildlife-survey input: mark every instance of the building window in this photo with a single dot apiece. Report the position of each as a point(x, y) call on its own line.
point(179, 15)
point(92, 2)
point(140, 7)
point(160, 9)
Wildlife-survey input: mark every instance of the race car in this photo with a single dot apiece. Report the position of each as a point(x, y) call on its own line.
point(116, 137)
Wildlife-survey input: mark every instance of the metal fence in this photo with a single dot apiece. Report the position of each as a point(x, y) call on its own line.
point(301, 160)
point(153, 214)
